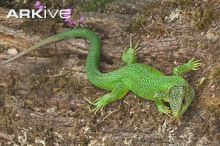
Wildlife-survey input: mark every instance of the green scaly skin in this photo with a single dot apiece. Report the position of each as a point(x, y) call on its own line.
point(142, 80)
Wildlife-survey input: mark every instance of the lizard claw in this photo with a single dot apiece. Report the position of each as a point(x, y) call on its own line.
point(167, 111)
point(135, 48)
point(194, 64)
point(90, 102)
point(164, 109)
point(96, 109)
point(99, 105)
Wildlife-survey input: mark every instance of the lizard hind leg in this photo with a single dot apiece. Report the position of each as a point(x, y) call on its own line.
point(129, 56)
point(117, 93)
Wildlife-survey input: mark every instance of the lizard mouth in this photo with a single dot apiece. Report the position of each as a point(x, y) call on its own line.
point(182, 111)
point(184, 107)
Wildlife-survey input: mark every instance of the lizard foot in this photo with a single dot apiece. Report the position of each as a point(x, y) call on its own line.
point(194, 64)
point(98, 104)
point(118, 93)
point(164, 109)
point(129, 55)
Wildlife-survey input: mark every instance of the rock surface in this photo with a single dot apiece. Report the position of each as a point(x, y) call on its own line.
point(42, 94)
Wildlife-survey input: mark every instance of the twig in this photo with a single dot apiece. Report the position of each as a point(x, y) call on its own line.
point(6, 137)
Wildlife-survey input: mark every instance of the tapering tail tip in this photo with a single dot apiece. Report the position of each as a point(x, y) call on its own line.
point(11, 59)
point(3, 62)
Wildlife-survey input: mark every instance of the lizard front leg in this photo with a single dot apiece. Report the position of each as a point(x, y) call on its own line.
point(187, 67)
point(117, 93)
point(159, 101)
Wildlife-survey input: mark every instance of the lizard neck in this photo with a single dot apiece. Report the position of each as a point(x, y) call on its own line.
point(175, 81)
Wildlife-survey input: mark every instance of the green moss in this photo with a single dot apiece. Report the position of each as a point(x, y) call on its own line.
point(215, 74)
point(201, 14)
point(28, 104)
point(41, 27)
point(182, 4)
point(2, 101)
point(6, 115)
point(137, 24)
point(95, 5)
point(202, 17)
point(153, 11)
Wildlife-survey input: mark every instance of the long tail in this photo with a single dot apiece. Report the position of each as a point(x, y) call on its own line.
point(92, 61)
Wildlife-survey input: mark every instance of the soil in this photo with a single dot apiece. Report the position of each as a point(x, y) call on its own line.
point(43, 95)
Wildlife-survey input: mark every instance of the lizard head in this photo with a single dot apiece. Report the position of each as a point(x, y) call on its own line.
point(180, 99)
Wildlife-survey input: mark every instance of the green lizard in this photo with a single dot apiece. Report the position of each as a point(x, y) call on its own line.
point(143, 80)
